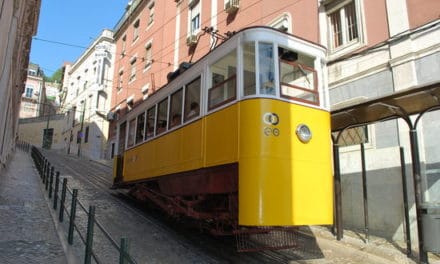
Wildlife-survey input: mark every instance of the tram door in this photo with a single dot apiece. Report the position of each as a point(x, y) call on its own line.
point(47, 138)
point(119, 158)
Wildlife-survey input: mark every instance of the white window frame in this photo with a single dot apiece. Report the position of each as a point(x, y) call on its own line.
point(194, 10)
point(132, 69)
point(148, 59)
point(136, 26)
point(150, 13)
point(283, 21)
point(124, 45)
point(31, 93)
point(347, 45)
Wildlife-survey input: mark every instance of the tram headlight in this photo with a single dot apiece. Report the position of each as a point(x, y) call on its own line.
point(303, 133)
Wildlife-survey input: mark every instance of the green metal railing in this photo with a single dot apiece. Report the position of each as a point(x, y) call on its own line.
point(47, 174)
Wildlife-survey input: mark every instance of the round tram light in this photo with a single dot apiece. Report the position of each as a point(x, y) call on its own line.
point(303, 133)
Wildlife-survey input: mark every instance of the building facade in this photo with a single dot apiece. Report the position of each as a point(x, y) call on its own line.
point(33, 97)
point(18, 23)
point(374, 48)
point(86, 99)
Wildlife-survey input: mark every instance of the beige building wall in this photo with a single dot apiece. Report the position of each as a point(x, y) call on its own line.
point(31, 130)
point(18, 23)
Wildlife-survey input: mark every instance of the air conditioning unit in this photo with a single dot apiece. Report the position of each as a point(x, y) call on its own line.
point(191, 40)
point(110, 116)
point(231, 6)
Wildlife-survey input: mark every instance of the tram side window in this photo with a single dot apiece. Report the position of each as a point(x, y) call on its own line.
point(267, 68)
point(176, 108)
point(192, 99)
point(122, 133)
point(161, 121)
point(140, 130)
point(298, 78)
point(249, 68)
point(151, 117)
point(223, 81)
point(131, 132)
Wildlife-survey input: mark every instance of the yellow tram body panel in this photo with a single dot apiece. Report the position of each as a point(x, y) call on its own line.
point(179, 150)
point(284, 181)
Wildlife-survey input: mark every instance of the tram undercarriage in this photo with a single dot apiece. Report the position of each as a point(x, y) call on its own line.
point(211, 200)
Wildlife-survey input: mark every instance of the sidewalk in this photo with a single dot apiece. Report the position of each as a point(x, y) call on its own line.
point(28, 234)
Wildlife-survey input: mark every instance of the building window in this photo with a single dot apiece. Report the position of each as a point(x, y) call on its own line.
point(124, 45)
point(74, 115)
point(136, 30)
point(29, 91)
point(132, 70)
point(194, 17)
point(151, 13)
point(282, 23)
point(86, 135)
point(148, 55)
point(32, 72)
point(120, 82)
point(344, 24)
point(353, 136)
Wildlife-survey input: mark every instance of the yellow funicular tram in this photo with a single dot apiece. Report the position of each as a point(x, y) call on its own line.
point(240, 138)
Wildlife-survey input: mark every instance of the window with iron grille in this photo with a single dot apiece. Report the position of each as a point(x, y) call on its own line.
point(353, 136)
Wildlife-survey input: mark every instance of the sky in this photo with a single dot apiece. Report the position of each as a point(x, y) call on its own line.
point(67, 27)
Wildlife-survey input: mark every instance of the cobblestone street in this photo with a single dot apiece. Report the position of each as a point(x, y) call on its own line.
point(29, 235)
point(27, 231)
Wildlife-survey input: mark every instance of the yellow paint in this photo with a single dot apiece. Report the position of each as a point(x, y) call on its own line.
point(222, 137)
point(282, 181)
point(180, 150)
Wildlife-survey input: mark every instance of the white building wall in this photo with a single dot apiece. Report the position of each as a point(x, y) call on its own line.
point(408, 58)
point(88, 91)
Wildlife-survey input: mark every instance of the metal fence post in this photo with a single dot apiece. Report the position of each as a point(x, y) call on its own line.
point(43, 172)
point(51, 182)
point(123, 252)
point(40, 167)
point(89, 239)
point(63, 200)
point(72, 216)
point(55, 195)
point(47, 176)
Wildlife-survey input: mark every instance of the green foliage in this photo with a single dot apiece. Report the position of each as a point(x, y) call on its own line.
point(56, 76)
